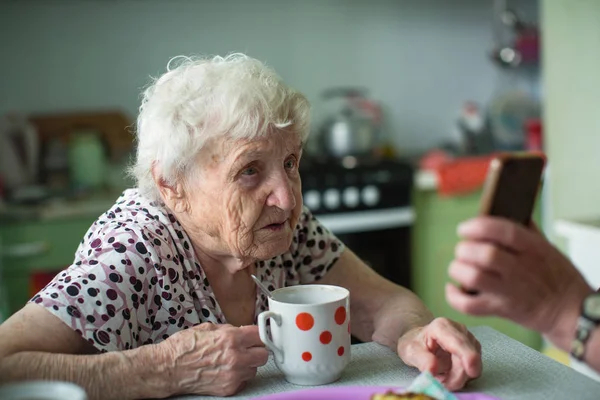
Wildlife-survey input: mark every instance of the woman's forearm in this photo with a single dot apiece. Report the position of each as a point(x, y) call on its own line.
point(131, 374)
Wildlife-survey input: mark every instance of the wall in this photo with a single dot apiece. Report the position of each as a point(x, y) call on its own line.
point(421, 58)
point(571, 79)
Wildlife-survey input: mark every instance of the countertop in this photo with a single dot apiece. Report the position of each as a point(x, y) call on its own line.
point(55, 209)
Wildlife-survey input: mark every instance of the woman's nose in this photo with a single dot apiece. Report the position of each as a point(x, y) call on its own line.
point(282, 195)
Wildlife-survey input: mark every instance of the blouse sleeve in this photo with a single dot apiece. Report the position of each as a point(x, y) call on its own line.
point(314, 248)
point(109, 294)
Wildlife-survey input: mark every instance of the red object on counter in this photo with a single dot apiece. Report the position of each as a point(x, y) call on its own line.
point(534, 136)
point(456, 175)
point(462, 175)
point(434, 159)
point(39, 279)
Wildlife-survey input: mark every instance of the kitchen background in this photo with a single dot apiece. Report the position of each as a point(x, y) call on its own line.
point(444, 83)
point(421, 59)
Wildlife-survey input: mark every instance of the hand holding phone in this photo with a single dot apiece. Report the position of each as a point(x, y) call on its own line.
point(511, 188)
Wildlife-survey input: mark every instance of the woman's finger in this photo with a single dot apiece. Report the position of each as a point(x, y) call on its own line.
point(462, 347)
point(457, 376)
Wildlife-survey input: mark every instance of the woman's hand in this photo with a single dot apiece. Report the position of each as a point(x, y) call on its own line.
point(213, 359)
point(444, 348)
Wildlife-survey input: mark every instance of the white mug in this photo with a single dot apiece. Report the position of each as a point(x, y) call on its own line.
point(310, 332)
point(42, 390)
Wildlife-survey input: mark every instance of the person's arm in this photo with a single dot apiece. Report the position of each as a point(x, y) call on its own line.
point(380, 310)
point(34, 344)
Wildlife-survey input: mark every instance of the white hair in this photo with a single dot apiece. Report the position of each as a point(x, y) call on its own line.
point(234, 96)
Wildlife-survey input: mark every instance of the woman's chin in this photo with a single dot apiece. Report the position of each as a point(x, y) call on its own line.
point(273, 244)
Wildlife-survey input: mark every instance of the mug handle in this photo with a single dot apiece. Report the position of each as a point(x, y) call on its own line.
point(262, 331)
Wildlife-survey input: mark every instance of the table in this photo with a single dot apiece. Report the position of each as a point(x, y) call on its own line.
point(511, 370)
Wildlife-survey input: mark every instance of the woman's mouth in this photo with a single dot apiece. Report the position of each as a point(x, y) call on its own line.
point(275, 227)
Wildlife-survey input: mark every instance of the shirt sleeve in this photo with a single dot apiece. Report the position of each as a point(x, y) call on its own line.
point(314, 248)
point(111, 294)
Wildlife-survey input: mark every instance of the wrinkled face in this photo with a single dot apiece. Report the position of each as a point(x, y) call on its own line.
point(248, 196)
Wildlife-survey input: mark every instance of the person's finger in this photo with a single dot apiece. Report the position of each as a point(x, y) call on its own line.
point(508, 234)
point(481, 304)
point(473, 278)
point(416, 351)
point(444, 362)
point(206, 327)
point(477, 343)
point(456, 342)
point(250, 336)
point(485, 255)
point(249, 374)
point(257, 356)
point(423, 359)
point(456, 378)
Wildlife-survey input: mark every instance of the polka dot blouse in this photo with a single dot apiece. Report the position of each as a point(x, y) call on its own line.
point(135, 279)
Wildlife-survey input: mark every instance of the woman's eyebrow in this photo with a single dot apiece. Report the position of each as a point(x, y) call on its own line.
point(247, 155)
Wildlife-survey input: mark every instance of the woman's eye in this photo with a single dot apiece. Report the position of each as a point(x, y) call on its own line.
point(290, 163)
point(249, 171)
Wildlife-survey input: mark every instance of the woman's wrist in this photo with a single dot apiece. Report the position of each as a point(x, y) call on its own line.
point(150, 366)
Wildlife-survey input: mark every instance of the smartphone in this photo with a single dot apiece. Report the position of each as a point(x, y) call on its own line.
point(512, 184)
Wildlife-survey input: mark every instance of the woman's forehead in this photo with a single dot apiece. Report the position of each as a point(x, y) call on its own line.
point(230, 150)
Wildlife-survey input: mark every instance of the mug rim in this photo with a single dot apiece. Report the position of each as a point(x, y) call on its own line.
point(346, 294)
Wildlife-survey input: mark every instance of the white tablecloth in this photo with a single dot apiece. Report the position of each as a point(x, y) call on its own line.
point(511, 370)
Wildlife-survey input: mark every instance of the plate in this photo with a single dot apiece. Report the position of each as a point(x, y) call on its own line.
point(352, 393)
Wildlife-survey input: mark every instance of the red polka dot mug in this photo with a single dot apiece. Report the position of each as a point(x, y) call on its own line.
point(309, 332)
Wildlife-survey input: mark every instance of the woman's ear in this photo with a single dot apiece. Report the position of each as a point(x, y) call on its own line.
point(173, 195)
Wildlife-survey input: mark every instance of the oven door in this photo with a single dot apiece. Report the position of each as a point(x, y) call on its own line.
point(381, 238)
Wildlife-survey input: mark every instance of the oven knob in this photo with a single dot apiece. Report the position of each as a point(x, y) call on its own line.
point(351, 197)
point(312, 200)
point(370, 195)
point(331, 198)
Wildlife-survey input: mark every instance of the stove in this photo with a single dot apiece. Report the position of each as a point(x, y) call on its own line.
point(367, 204)
point(356, 195)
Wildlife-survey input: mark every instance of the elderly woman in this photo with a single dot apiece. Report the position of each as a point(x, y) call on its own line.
point(159, 300)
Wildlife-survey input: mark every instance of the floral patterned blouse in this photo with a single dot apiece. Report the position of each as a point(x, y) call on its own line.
point(135, 279)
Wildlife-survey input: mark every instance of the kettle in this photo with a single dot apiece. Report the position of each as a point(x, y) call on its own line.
point(87, 159)
point(352, 130)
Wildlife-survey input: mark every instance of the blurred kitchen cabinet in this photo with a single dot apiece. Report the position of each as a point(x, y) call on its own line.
point(434, 240)
point(115, 128)
point(35, 246)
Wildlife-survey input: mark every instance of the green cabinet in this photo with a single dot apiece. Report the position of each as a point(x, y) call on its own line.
point(34, 246)
point(434, 240)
